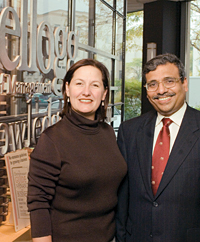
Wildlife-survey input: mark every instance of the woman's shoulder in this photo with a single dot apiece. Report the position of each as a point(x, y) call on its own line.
point(107, 128)
point(55, 130)
point(105, 125)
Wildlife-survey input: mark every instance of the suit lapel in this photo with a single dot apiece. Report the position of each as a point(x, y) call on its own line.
point(183, 144)
point(144, 147)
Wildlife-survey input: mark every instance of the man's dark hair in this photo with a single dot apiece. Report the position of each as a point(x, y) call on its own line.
point(163, 59)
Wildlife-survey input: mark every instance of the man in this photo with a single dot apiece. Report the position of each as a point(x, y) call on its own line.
point(165, 210)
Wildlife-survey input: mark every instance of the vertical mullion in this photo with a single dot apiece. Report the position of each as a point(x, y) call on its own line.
point(91, 32)
point(123, 62)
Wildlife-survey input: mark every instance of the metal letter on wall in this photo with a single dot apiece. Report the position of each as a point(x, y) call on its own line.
point(45, 46)
point(4, 135)
point(13, 30)
point(60, 37)
point(23, 65)
point(72, 47)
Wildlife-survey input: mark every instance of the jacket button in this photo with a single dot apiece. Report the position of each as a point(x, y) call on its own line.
point(155, 204)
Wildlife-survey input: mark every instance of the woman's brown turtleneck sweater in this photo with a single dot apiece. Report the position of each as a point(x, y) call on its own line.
point(75, 171)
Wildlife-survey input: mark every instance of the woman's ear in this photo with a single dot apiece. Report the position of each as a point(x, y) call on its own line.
point(67, 89)
point(104, 94)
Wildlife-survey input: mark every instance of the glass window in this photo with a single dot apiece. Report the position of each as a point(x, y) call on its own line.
point(119, 35)
point(81, 55)
point(117, 118)
point(118, 53)
point(82, 20)
point(110, 2)
point(105, 61)
point(118, 62)
point(134, 39)
point(118, 81)
point(103, 27)
point(44, 42)
point(120, 6)
point(54, 12)
point(194, 74)
point(38, 36)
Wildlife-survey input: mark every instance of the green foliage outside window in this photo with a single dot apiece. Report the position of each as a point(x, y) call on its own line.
point(133, 76)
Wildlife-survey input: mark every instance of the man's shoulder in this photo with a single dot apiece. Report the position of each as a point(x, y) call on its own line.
point(192, 116)
point(140, 119)
point(192, 113)
point(191, 109)
point(129, 129)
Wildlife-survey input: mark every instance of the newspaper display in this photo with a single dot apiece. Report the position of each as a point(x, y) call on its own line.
point(17, 164)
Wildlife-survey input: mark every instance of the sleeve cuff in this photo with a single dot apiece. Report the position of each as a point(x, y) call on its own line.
point(40, 223)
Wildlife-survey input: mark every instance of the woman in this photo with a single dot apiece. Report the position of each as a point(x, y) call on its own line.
point(76, 167)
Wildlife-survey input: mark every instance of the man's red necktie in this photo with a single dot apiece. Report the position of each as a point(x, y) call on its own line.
point(160, 154)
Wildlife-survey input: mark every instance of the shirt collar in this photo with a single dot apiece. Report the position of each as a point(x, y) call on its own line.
point(176, 117)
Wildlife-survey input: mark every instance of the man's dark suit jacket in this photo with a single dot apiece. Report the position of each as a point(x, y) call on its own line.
point(173, 215)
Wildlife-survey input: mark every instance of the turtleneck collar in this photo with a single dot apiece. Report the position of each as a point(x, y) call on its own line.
point(82, 123)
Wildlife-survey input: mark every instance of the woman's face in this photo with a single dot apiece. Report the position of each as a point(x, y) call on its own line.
point(86, 91)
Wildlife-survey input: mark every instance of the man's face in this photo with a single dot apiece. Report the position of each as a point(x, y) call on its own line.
point(167, 100)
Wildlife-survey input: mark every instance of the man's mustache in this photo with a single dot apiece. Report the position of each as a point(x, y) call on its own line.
point(164, 95)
